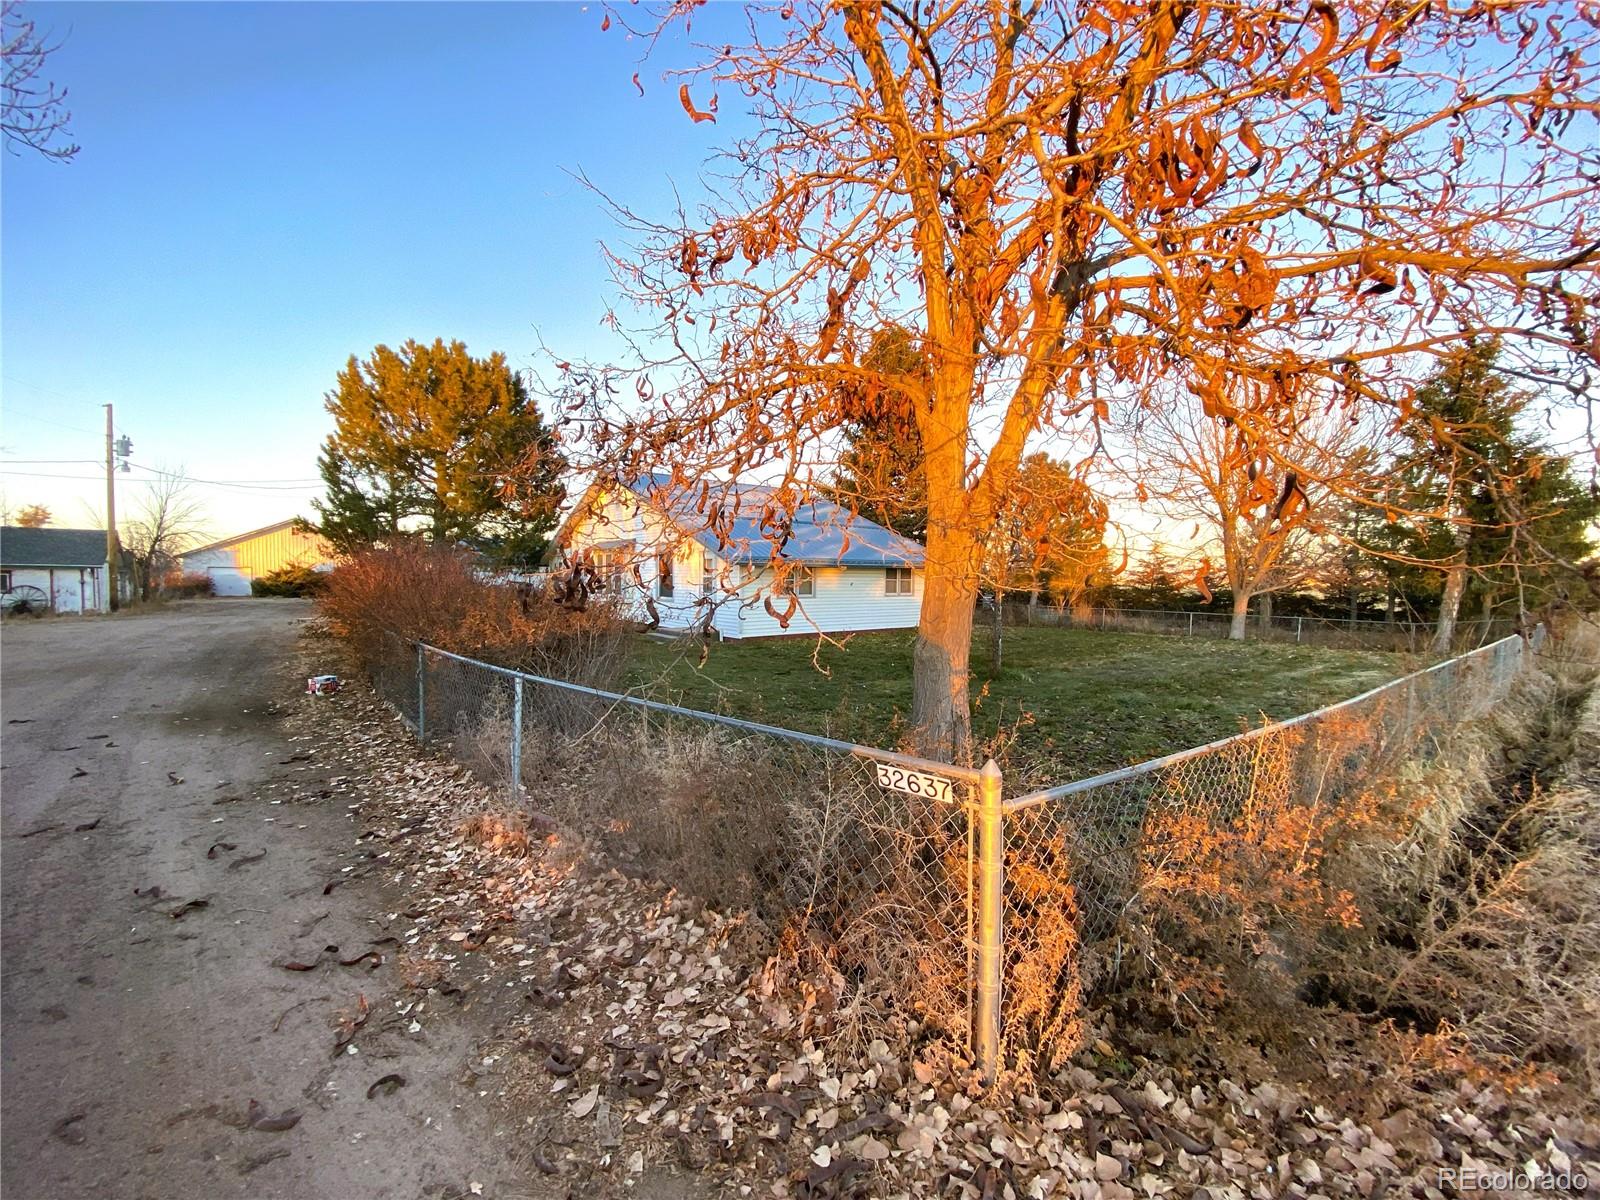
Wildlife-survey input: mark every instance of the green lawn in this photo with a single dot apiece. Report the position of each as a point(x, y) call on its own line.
point(1079, 701)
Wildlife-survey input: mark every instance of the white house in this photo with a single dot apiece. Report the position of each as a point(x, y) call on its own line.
point(233, 562)
point(65, 568)
point(731, 554)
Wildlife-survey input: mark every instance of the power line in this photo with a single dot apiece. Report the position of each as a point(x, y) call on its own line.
point(305, 487)
point(49, 475)
point(7, 461)
point(13, 415)
point(265, 484)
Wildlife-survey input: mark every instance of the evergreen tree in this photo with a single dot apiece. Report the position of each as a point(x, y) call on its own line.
point(1486, 509)
point(880, 471)
point(1154, 583)
point(430, 440)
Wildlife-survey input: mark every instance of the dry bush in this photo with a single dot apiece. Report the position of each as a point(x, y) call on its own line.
point(1481, 886)
point(382, 599)
point(504, 833)
point(802, 838)
point(186, 585)
point(1385, 860)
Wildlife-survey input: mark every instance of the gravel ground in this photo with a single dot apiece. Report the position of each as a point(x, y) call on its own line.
point(145, 1028)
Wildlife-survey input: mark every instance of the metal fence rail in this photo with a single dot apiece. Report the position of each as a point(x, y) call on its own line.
point(973, 908)
point(1347, 632)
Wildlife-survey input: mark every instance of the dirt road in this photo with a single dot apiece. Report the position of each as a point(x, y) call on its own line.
point(147, 752)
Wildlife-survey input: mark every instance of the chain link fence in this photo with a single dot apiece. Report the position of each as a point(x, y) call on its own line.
point(1352, 633)
point(973, 911)
point(871, 851)
point(1221, 841)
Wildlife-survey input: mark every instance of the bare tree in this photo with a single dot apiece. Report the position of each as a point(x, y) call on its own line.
point(166, 519)
point(1066, 202)
point(1267, 522)
point(35, 113)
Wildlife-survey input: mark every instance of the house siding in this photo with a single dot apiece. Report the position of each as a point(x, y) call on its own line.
point(71, 589)
point(847, 599)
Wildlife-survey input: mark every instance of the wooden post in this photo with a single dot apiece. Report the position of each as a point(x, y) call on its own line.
point(112, 549)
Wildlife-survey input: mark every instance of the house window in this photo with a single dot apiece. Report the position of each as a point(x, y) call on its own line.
point(897, 581)
point(5, 581)
point(708, 579)
point(664, 575)
point(798, 581)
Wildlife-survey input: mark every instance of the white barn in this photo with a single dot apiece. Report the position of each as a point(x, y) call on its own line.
point(689, 555)
point(66, 566)
point(234, 561)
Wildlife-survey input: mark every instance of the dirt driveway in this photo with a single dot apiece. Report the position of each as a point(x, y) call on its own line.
point(164, 841)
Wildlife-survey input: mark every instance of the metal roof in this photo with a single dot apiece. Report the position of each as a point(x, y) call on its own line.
point(47, 547)
point(239, 537)
point(742, 523)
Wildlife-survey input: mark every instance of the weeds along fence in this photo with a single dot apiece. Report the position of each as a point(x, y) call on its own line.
point(874, 851)
point(1359, 633)
point(973, 911)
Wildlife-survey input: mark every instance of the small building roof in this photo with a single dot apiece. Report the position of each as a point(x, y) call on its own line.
point(21, 546)
point(744, 523)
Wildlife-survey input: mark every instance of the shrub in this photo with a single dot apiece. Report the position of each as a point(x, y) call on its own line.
point(186, 585)
point(382, 599)
point(294, 581)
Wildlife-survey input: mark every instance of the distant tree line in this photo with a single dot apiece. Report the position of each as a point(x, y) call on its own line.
point(1396, 523)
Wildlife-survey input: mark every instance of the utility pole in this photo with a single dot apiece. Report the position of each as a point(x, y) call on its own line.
point(113, 547)
point(113, 565)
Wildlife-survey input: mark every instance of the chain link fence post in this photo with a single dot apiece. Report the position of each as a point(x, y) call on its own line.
point(516, 740)
point(991, 909)
point(422, 693)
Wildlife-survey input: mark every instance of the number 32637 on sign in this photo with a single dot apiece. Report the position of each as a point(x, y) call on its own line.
point(915, 783)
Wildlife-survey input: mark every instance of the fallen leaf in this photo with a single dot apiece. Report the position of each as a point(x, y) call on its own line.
point(388, 1085)
point(260, 1120)
point(584, 1104)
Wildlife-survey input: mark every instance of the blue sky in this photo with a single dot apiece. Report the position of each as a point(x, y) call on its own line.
point(266, 189)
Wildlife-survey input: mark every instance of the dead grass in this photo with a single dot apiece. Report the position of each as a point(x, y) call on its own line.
point(1438, 885)
point(842, 879)
point(1481, 888)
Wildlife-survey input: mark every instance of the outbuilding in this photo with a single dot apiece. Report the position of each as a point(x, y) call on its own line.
point(64, 568)
point(233, 562)
point(735, 560)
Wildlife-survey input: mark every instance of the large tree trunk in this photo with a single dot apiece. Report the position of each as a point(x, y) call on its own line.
point(941, 713)
point(1455, 583)
point(1264, 613)
point(1241, 614)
